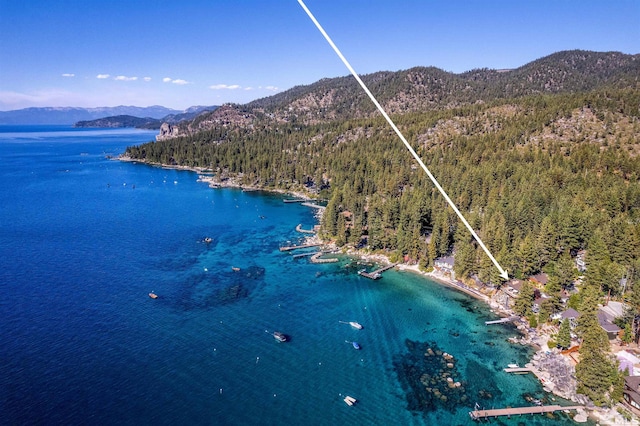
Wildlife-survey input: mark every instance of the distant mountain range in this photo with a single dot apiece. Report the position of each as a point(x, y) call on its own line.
point(71, 115)
point(146, 122)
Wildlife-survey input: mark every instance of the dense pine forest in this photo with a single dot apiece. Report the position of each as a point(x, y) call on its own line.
point(542, 161)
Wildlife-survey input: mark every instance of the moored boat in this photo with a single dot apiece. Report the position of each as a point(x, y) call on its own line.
point(349, 400)
point(355, 325)
point(280, 337)
point(355, 345)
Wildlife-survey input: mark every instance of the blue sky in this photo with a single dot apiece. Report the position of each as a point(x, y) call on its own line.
point(90, 53)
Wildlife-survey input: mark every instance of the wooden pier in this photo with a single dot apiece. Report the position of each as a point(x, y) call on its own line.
point(316, 258)
point(315, 206)
point(501, 321)
point(295, 256)
point(484, 414)
point(304, 231)
point(377, 274)
point(289, 248)
point(519, 370)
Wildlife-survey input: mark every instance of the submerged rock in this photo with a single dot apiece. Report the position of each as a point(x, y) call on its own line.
point(429, 378)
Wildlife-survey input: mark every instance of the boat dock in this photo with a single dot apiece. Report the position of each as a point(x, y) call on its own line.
point(289, 248)
point(484, 414)
point(519, 370)
point(501, 321)
point(295, 256)
point(377, 273)
point(304, 231)
point(316, 258)
point(295, 201)
point(315, 206)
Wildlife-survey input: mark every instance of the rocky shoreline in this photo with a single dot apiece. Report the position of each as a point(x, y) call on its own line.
point(555, 372)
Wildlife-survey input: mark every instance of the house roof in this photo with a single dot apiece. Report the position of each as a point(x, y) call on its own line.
point(570, 313)
point(541, 278)
point(447, 260)
point(538, 301)
point(632, 381)
point(515, 284)
point(606, 324)
point(624, 355)
point(613, 309)
point(633, 395)
point(625, 365)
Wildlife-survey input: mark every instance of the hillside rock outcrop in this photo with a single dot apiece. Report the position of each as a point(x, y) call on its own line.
point(167, 131)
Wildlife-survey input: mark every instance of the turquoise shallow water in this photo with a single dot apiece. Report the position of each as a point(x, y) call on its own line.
point(84, 239)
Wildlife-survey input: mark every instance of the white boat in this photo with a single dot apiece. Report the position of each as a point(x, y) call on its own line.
point(349, 400)
point(353, 324)
point(280, 337)
point(513, 366)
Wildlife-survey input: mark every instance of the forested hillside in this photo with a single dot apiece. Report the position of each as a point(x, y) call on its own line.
point(542, 160)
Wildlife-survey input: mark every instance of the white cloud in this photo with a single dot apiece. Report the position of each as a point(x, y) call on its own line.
point(248, 88)
point(68, 74)
point(102, 76)
point(225, 86)
point(272, 88)
point(147, 78)
point(125, 78)
point(178, 81)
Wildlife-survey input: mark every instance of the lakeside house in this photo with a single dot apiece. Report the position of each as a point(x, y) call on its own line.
point(631, 393)
point(444, 265)
point(513, 287)
point(570, 314)
point(539, 280)
point(607, 315)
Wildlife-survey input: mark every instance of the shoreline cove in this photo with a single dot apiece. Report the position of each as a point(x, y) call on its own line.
point(122, 231)
point(527, 337)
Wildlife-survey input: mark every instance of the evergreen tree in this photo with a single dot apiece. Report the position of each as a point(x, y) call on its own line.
point(330, 217)
point(528, 257)
point(524, 302)
point(546, 241)
point(572, 231)
point(565, 270)
point(465, 259)
point(564, 335)
point(596, 372)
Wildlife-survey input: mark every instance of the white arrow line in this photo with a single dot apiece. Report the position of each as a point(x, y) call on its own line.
point(503, 273)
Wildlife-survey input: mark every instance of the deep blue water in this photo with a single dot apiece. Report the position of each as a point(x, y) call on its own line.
point(84, 238)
